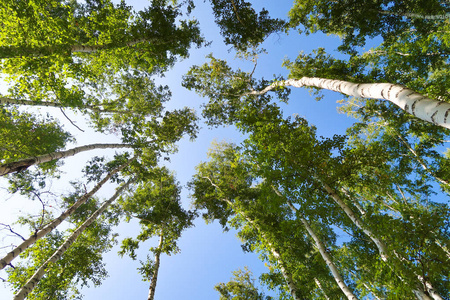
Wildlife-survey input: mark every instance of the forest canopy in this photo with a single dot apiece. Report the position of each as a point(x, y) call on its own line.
point(94, 109)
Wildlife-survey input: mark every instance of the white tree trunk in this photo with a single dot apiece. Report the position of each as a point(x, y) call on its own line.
point(326, 257)
point(6, 100)
point(34, 280)
point(321, 288)
point(434, 111)
point(91, 49)
point(286, 274)
point(52, 225)
point(151, 291)
point(382, 249)
point(430, 289)
point(17, 166)
point(418, 16)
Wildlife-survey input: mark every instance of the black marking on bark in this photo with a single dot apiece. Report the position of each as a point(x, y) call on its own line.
point(433, 116)
point(389, 91)
point(413, 106)
point(396, 95)
point(446, 115)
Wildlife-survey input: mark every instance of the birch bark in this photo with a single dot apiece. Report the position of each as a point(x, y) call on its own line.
point(6, 100)
point(286, 274)
point(378, 242)
point(326, 257)
point(360, 224)
point(430, 289)
point(417, 16)
point(36, 277)
point(52, 225)
point(66, 49)
point(321, 288)
point(22, 164)
point(422, 107)
point(151, 292)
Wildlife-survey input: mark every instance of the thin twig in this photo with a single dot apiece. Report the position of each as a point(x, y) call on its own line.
point(70, 120)
point(11, 230)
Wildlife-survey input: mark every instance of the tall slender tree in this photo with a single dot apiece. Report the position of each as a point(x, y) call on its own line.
point(156, 205)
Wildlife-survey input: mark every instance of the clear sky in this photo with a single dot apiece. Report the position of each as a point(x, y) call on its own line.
point(207, 256)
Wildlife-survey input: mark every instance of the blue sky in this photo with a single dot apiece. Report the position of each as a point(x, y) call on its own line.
point(208, 256)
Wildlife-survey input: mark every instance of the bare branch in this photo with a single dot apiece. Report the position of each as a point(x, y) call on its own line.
point(62, 110)
point(12, 231)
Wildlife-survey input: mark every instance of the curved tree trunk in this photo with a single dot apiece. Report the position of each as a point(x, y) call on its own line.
point(36, 277)
point(151, 291)
point(52, 225)
point(433, 111)
point(20, 165)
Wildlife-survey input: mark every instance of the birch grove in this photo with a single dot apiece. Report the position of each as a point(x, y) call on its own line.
point(335, 209)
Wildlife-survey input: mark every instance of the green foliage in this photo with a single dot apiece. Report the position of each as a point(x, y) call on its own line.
point(156, 204)
point(97, 57)
point(96, 168)
point(241, 26)
point(24, 135)
point(81, 265)
point(229, 92)
point(357, 21)
point(240, 287)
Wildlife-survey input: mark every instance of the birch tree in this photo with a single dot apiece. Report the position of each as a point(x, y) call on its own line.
point(23, 164)
point(357, 21)
point(80, 266)
point(96, 32)
point(298, 163)
point(266, 139)
point(240, 87)
point(98, 57)
point(223, 188)
point(53, 224)
point(40, 272)
point(24, 134)
point(156, 205)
